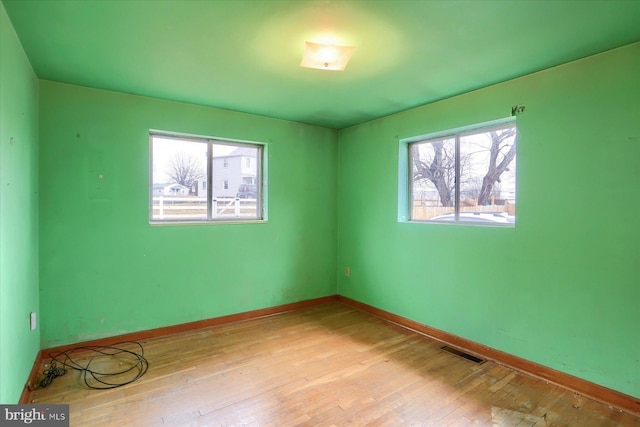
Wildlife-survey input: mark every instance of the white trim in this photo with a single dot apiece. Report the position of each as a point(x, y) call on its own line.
point(463, 130)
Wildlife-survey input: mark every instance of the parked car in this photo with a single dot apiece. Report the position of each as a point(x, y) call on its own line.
point(247, 191)
point(486, 217)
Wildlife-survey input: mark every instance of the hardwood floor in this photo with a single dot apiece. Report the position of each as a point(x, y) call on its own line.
point(328, 365)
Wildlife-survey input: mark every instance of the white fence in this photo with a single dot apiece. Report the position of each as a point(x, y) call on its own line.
point(169, 207)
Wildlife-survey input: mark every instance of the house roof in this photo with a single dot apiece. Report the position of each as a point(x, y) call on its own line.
point(237, 152)
point(171, 185)
point(244, 55)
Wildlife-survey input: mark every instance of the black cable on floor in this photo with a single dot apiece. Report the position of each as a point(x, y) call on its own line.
point(50, 374)
point(95, 379)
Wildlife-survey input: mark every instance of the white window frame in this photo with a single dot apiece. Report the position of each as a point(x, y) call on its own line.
point(405, 196)
point(261, 200)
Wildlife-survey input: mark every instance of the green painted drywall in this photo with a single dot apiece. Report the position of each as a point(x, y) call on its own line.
point(562, 288)
point(104, 270)
point(18, 213)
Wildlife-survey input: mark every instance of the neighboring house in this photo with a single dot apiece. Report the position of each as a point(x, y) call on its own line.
point(170, 190)
point(201, 187)
point(230, 171)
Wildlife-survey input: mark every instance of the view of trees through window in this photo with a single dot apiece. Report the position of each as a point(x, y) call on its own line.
point(197, 179)
point(467, 177)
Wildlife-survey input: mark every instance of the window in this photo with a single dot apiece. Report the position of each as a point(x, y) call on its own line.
point(465, 177)
point(248, 162)
point(199, 180)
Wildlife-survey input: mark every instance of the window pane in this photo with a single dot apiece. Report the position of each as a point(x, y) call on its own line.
point(185, 189)
point(433, 179)
point(236, 181)
point(179, 171)
point(488, 176)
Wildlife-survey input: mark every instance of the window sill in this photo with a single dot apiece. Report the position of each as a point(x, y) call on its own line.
point(464, 223)
point(200, 223)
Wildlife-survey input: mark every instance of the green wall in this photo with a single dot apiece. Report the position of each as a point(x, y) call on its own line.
point(563, 287)
point(104, 270)
point(18, 213)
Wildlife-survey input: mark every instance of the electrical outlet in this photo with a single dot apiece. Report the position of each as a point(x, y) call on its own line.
point(347, 271)
point(32, 320)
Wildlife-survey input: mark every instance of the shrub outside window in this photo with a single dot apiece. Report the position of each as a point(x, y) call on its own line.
point(200, 180)
point(467, 177)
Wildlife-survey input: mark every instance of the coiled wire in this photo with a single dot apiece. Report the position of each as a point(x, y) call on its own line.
point(135, 365)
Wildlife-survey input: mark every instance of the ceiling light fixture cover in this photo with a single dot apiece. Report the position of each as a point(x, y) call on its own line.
point(326, 56)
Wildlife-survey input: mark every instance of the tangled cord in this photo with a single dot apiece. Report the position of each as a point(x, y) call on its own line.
point(95, 379)
point(51, 374)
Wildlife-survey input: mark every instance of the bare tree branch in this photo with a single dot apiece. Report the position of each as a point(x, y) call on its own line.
point(440, 171)
point(496, 169)
point(184, 169)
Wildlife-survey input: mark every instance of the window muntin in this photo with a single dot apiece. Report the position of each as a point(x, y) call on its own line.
point(467, 177)
point(197, 180)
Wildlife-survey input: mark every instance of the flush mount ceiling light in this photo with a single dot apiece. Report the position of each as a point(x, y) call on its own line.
point(326, 56)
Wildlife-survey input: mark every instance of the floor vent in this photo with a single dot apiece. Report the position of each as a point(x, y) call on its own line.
point(462, 354)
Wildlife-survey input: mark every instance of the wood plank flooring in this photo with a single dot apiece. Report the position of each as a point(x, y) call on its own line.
point(328, 365)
